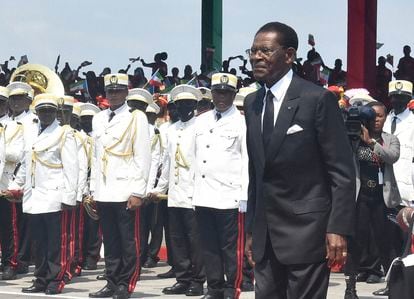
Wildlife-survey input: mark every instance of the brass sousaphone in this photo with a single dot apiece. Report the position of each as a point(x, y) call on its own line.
point(40, 78)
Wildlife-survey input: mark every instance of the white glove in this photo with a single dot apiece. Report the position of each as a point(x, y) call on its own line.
point(242, 206)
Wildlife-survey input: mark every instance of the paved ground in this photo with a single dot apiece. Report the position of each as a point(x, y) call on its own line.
point(150, 286)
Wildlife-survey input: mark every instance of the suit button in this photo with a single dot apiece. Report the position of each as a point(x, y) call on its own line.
point(208, 146)
point(211, 131)
point(203, 176)
point(204, 161)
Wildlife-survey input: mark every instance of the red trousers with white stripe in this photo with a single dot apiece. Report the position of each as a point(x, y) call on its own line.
point(120, 232)
point(50, 234)
point(9, 237)
point(222, 247)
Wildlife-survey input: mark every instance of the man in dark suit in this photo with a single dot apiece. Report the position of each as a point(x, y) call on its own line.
point(302, 179)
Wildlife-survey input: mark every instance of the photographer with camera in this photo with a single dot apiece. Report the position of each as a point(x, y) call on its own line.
point(377, 190)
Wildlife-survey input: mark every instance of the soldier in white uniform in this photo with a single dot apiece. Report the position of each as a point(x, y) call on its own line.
point(220, 188)
point(119, 180)
point(177, 178)
point(152, 220)
point(48, 176)
point(8, 213)
point(400, 122)
point(20, 98)
point(88, 239)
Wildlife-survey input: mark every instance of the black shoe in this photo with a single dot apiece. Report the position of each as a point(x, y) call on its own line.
point(9, 273)
point(211, 296)
point(350, 291)
point(247, 286)
point(177, 288)
point(195, 289)
point(372, 278)
point(33, 289)
point(362, 277)
point(22, 269)
point(90, 267)
point(382, 292)
point(101, 277)
point(121, 293)
point(150, 263)
point(169, 274)
point(52, 292)
point(105, 292)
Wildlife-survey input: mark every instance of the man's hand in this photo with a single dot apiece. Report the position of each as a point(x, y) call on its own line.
point(365, 135)
point(134, 202)
point(336, 249)
point(153, 197)
point(248, 249)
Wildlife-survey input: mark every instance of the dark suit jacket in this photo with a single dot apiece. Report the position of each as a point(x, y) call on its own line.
point(303, 185)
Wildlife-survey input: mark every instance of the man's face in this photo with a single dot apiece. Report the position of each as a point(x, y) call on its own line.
point(19, 103)
point(3, 107)
point(116, 97)
point(74, 121)
point(47, 115)
point(223, 99)
point(137, 105)
point(65, 114)
point(399, 101)
point(269, 60)
point(185, 109)
point(86, 123)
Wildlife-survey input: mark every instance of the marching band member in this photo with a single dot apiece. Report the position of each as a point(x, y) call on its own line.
point(177, 178)
point(119, 181)
point(50, 173)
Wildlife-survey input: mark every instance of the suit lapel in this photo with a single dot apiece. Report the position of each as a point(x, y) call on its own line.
point(256, 125)
point(284, 119)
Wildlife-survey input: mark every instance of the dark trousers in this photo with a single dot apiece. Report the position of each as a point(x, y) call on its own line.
point(9, 235)
point(88, 239)
point(371, 218)
point(24, 255)
point(166, 224)
point(50, 234)
point(300, 281)
point(185, 243)
point(120, 229)
point(222, 247)
point(151, 222)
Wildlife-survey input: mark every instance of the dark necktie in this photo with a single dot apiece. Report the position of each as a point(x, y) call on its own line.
point(111, 116)
point(218, 116)
point(394, 124)
point(268, 118)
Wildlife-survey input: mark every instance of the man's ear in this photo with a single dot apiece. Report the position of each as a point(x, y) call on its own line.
point(290, 55)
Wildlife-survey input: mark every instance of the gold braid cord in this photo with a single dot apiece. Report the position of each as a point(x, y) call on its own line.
point(109, 149)
point(36, 158)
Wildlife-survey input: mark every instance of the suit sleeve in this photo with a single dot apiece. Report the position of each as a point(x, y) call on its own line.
point(389, 154)
point(251, 190)
point(337, 158)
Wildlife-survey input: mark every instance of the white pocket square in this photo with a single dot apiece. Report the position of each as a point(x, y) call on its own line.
point(294, 129)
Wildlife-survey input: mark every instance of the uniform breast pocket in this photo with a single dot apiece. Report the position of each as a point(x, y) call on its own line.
point(228, 139)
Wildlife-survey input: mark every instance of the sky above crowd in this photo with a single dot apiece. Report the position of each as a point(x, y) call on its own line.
point(108, 33)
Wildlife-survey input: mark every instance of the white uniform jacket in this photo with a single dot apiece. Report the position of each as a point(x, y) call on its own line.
point(221, 174)
point(50, 169)
point(403, 167)
point(156, 149)
point(122, 155)
point(14, 140)
point(177, 175)
point(83, 147)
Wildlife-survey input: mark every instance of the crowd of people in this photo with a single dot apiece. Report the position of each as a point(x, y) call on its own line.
point(264, 183)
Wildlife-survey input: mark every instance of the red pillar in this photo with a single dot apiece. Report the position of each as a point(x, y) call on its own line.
point(362, 39)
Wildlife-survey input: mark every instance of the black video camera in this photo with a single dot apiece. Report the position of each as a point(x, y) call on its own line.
point(355, 117)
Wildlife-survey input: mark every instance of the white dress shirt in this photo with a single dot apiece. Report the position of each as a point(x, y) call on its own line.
point(279, 91)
